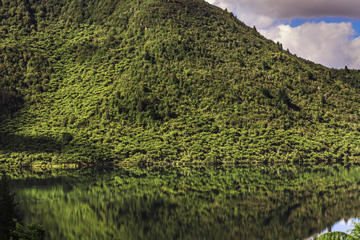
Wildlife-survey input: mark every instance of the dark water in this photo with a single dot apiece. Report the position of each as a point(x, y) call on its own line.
point(244, 202)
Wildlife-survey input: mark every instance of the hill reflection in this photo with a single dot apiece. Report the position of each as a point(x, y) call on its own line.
point(247, 202)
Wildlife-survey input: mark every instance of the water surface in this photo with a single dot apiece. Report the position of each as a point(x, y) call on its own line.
point(243, 202)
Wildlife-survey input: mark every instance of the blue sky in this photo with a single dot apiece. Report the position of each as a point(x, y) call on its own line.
point(323, 31)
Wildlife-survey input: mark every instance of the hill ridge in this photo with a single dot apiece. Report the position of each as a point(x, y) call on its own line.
point(163, 81)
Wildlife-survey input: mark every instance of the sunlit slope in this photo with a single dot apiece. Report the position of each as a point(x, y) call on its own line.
point(162, 81)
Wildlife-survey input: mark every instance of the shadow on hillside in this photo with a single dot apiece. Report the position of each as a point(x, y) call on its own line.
point(10, 142)
point(43, 144)
point(31, 144)
point(10, 102)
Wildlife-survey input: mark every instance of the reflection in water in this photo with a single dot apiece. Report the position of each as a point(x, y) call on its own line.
point(343, 225)
point(248, 202)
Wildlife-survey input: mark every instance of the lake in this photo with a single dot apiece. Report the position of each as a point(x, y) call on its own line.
point(212, 202)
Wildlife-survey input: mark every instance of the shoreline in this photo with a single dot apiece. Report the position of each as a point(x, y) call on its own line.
point(37, 167)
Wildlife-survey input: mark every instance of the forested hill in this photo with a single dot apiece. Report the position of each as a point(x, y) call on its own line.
point(162, 81)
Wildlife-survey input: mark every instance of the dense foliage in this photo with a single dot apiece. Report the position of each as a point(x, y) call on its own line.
point(162, 81)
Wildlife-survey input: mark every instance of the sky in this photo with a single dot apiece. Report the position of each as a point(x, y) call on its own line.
point(323, 31)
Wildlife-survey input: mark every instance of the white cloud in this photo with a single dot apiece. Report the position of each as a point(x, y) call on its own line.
point(245, 12)
point(330, 44)
point(354, 52)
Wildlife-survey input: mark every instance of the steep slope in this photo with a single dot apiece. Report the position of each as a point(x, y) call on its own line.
point(162, 81)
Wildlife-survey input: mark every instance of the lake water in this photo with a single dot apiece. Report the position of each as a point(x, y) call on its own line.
point(343, 225)
point(243, 202)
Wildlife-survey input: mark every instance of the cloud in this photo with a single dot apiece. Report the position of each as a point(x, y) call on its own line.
point(245, 12)
point(288, 9)
point(330, 44)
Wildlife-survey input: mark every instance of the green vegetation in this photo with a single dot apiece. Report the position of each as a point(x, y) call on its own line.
point(10, 228)
point(162, 81)
point(245, 202)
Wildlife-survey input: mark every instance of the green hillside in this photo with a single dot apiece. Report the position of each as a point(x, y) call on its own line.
point(165, 81)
